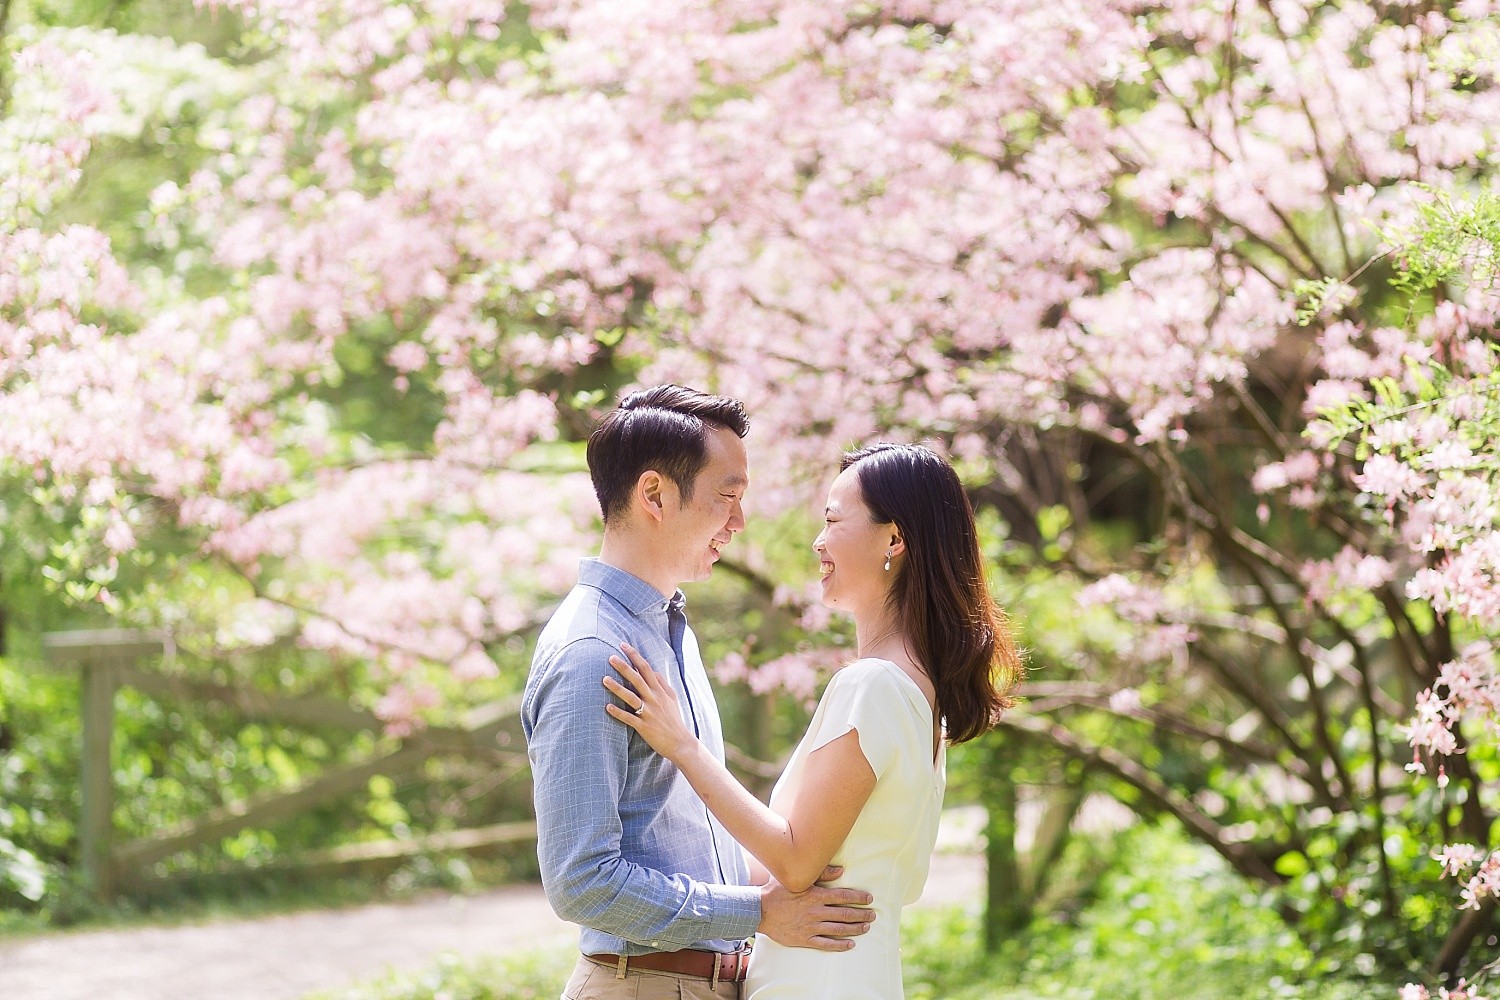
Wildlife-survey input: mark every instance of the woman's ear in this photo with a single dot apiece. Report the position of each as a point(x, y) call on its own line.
point(898, 545)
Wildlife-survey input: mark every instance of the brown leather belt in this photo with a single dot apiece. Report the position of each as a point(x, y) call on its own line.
point(712, 965)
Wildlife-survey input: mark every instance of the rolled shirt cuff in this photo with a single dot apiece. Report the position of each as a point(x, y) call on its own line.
point(736, 910)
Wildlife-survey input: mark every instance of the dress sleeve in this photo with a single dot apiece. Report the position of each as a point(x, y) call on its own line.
point(863, 697)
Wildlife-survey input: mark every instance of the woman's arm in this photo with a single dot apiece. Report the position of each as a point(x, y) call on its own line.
point(794, 848)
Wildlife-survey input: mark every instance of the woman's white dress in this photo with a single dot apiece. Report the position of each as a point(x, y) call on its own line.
point(890, 846)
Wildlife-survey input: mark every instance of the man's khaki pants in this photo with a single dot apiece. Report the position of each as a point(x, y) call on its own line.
point(592, 981)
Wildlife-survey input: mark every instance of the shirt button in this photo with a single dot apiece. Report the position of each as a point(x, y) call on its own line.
point(655, 944)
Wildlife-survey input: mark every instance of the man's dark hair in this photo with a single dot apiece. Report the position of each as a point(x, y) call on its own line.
point(664, 428)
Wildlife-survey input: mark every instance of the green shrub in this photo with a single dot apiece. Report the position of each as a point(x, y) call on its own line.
point(39, 736)
point(173, 761)
point(1168, 920)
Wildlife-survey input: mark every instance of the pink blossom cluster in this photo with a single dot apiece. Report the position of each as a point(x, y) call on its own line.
point(408, 564)
point(1298, 472)
point(1415, 991)
point(354, 37)
point(1161, 630)
point(799, 674)
point(1184, 323)
point(402, 704)
point(53, 103)
point(1351, 571)
point(1432, 464)
point(1466, 686)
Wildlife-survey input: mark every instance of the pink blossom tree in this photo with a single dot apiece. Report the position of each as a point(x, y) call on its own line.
point(1067, 241)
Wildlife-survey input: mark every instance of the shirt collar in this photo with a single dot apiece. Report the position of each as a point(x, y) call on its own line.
point(636, 595)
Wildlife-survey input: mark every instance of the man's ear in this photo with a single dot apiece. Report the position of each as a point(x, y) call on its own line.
point(651, 490)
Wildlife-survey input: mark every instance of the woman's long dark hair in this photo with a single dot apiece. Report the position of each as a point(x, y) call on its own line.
point(939, 598)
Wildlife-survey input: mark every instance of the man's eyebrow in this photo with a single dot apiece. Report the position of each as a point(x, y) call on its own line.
point(736, 482)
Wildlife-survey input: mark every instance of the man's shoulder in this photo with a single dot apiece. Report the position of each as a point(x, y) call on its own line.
point(571, 655)
point(587, 627)
point(582, 649)
point(585, 613)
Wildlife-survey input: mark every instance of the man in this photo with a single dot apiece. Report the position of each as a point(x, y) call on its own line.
point(626, 848)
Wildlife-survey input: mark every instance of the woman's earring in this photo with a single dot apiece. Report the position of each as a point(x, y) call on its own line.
point(888, 559)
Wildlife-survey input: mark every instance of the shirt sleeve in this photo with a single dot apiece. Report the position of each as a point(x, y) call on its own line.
point(579, 757)
point(862, 697)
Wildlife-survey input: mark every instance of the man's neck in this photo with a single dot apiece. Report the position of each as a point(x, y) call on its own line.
point(633, 555)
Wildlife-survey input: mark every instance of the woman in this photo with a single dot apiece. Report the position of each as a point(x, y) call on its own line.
point(900, 554)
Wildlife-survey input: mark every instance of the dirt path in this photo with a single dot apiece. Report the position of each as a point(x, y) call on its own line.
point(286, 957)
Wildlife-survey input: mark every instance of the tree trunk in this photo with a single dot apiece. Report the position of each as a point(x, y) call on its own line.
point(1052, 833)
point(1007, 908)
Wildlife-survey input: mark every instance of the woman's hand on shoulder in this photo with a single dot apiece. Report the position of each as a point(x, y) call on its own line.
point(651, 707)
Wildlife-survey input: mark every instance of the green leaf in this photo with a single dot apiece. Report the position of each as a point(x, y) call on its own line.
point(1292, 864)
point(1052, 521)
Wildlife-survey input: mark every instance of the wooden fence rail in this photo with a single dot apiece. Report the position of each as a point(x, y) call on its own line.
point(107, 659)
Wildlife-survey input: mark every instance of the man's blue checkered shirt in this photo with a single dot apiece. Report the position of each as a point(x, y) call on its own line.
point(627, 849)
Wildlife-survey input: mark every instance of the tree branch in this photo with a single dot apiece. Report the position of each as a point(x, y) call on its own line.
point(1043, 698)
point(1198, 824)
point(1456, 945)
point(1252, 555)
